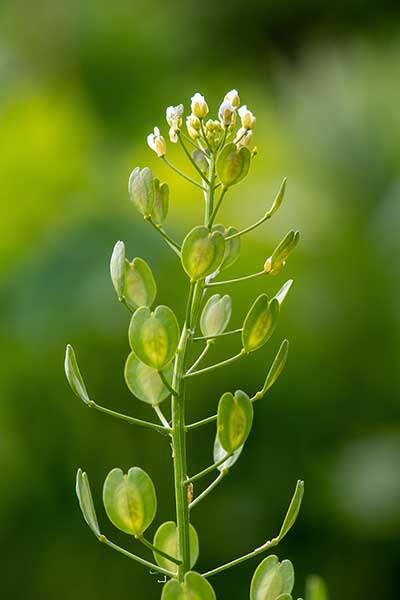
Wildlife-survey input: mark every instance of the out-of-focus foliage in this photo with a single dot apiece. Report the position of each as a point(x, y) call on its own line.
point(81, 86)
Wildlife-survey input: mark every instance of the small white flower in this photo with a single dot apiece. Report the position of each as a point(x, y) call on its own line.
point(227, 113)
point(233, 98)
point(173, 134)
point(156, 142)
point(174, 116)
point(199, 106)
point(243, 137)
point(247, 117)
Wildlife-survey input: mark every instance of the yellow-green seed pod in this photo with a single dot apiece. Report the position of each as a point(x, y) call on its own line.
point(232, 247)
point(274, 264)
point(194, 587)
point(141, 190)
point(84, 495)
point(260, 323)
point(216, 315)
point(140, 287)
point(201, 161)
point(219, 453)
point(234, 420)
point(166, 539)
point(130, 500)
point(233, 164)
point(202, 252)
point(117, 269)
point(161, 202)
point(272, 580)
point(276, 367)
point(144, 382)
point(154, 336)
point(74, 376)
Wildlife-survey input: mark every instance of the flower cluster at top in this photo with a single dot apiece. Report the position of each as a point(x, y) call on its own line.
point(211, 134)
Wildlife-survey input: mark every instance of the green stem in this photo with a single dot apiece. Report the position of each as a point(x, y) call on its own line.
point(200, 172)
point(205, 137)
point(175, 246)
point(250, 228)
point(183, 174)
point(201, 423)
point(213, 337)
point(209, 489)
point(131, 420)
point(161, 416)
point(188, 139)
point(138, 559)
point(158, 551)
point(200, 357)
point(167, 384)
point(210, 192)
point(233, 563)
point(208, 470)
point(229, 281)
point(223, 363)
point(216, 209)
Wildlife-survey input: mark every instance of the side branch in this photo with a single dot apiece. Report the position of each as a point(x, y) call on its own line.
point(208, 470)
point(237, 279)
point(171, 243)
point(209, 489)
point(217, 365)
point(138, 559)
point(128, 419)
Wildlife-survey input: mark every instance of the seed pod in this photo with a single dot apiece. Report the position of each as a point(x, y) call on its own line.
point(276, 262)
point(86, 501)
point(117, 269)
point(233, 164)
point(161, 202)
point(219, 454)
point(232, 247)
point(278, 200)
point(201, 161)
point(283, 292)
point(144, 382)
point(202, 252)
point(166, 539)
point(194, 587)
point(130, 500)
point(141, 190)
point(140, 287)
point(293, 510)
point(234, 420)
point(260, 323)
point(276, 367)
point(154, 336)
point(316, 588)
point(216, 315)
point(74, 376)
point(272, 580)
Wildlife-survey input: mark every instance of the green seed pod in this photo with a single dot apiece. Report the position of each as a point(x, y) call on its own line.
point(86, 501)
point(283, 292)
point(275, 263)
point(202, 252)
point(194, 587)
point(278, 200)
point(316, 588)
point(144, 382)
point(154, 336)
point(260, 323)
point(232, 247)
point(140, 287)
point(293, 510)
point(161, 202)
point(117, 269)
point(276, 367)
point(141, 190)
point(216, 315)
point(74, 376)
point(219, 454)
point(272, 580)
point(234, 420)
point(201, 161)
point(130, 500)
point(233, 164)
point(166, 539)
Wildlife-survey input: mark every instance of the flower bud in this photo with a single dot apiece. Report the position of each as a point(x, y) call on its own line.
point(227, 114)
point(247, 118)
point(243, 137)
point(174, 120)
point(233, 98)
point(193, 127)
point(199, 106)
point(214, 133)
point(157, 143)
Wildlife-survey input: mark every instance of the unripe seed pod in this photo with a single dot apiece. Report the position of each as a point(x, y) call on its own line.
point(117, 269)
point(154, 336)
point(139, 287)
point(275, 263)
point(141, 190)
point(166, 539)
point(216, 315)
point(234, 420)
point(144, 382)
point(202, 252)
point(260, 323)
point(194, 586)
point(272, 580)
point(161, 202)
point(233, 164)
point(232, 247)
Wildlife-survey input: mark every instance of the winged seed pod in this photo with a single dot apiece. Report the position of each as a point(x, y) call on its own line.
point(166, 355)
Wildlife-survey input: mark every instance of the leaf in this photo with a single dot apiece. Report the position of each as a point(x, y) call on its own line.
point(202, 252)
point(233, 164)
point(74, 375)
point(194, 587)
point(141, 190)
point(159, 211)
point(277, 366)
point(154, 336)
point(144, 382)
point(272, 580)
point(316, 588)
point(140, 287)
point(117, 269)
point(84, 494)
point(130, 500)
point(281, 295)
point(293, 510)
point(232, 247)
point(165, 539)
point(260, 323)
point(219, 453)
point(234, 420)
point(216, 315)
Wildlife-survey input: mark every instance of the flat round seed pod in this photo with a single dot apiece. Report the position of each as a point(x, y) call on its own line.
point(165, 539)
point(154, 336)
point(233, 164)
point(272, 579)
point(144, 382)
point(117, 268)
point(219, 454)
point(130, 500)
point(234, 420)
point(194, 587)
point(202, 252)
point(260, 323)
point(141, 190)
point(140, 287)
point(232, 247)
point(161, 202)
point(216, 315)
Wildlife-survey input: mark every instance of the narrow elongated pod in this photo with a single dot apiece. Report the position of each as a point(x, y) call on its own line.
point(154, 336)
point(84, 495)
point(202, 252)
point(234, 420)
point(74, 376)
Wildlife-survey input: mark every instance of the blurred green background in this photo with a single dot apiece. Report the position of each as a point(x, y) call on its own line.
point(81, 85)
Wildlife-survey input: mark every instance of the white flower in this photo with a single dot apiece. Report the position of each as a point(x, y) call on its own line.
point(243, 137)
point(173, 134)
point(156, 142)
point(247, 117)
point(233, 98)
point(227, 113)
point(199, 106)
